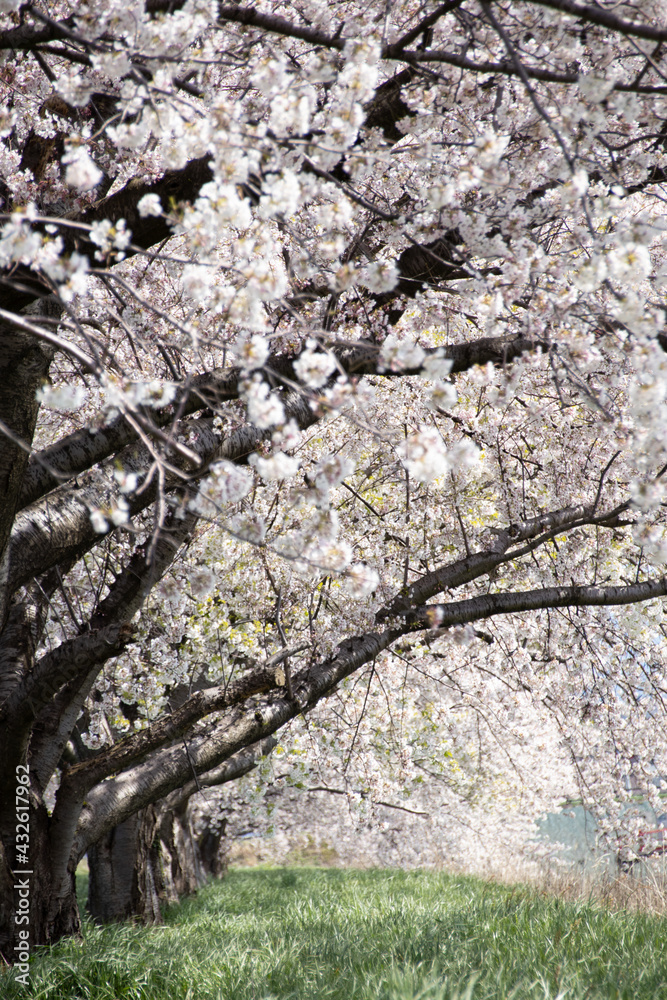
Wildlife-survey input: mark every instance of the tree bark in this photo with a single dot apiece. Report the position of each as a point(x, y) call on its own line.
point(54, 911)
point(24, 366)
point(124, 872)
point(149, 860)
point(40, 897)
point(181, 863)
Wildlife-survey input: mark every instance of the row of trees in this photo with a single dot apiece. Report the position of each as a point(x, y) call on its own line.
point(333, 407)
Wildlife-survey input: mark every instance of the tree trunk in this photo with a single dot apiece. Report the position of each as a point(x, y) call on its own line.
point(24, 365)
point(149, 859)
point(38, 902)
point(125, 880)
point(181, 861)
point(213, 849)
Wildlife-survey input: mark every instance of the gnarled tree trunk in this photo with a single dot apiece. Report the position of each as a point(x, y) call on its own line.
point(182, 869)
point(124, 872)
point(38, 903)
point(149, 860)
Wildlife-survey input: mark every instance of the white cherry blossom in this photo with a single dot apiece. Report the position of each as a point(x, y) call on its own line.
point(314, 367)
point(81, 172)
point(369, 341)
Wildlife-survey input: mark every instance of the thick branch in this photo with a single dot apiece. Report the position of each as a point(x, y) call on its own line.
point(24, 364)
point(164, 731)
point(605, 18)
point(55, 724)
point(277, 25)
point(58, 667)
point(117, 798)
point(535, 531)
point(23, 284)
point(488, 605)
point(59, 528)
point(231, 770)
point(108, 803)
point(84, 448)
point(29, 36)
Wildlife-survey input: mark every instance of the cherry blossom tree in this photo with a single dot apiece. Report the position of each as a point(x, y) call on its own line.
point(333, 406)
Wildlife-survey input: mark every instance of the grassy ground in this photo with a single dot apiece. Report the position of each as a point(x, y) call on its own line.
point(360, 935)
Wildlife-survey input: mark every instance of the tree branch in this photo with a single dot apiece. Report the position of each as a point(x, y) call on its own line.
point(231, 770)
point(24, 364)
point(60, 666)
point(20, 323)
point(55, 723)
point(394, 50)
point(113, 800)
point(22, 285)
point(365, 795)
point(605, 18)
point(488, 605)
point(535, 530)
point(414, 58)
point(252, 18)
point(59, 528)
point(136, 746)
point(84, 448)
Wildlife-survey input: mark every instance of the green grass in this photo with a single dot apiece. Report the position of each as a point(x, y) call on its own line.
point(362, 935)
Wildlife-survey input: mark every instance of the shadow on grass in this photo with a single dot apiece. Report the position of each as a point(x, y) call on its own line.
point(300, 933)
